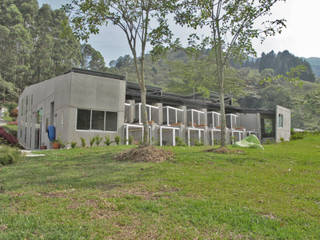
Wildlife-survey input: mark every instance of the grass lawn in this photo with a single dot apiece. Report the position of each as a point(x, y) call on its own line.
point(84, 194)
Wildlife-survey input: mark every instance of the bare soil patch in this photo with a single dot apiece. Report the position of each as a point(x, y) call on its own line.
point(145, 154)
point(224, 150)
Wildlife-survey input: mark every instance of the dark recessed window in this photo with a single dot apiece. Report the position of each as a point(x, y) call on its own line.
point(83, 119)
point(111, 121)
point(97, 120)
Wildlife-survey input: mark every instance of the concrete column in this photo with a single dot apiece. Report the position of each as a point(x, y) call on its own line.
point(132, 110)
point(183, 132)
point(160, 120)
point(206, 132)
point(184, 114)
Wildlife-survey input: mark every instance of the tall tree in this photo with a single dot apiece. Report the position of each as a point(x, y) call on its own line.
point(134, 18)
point(233, 24)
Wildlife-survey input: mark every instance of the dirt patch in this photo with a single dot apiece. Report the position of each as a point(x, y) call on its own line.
point(224, 150)
point(145, 154)
point(3, 227)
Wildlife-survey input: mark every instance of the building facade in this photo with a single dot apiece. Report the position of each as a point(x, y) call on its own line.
point(84, 104)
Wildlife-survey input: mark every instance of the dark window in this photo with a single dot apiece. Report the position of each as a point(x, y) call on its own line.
point(280, 120)
point(97, 120)
point(111, 121)
point(83, 119)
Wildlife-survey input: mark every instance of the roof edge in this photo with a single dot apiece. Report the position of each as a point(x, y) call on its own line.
point(95, 73)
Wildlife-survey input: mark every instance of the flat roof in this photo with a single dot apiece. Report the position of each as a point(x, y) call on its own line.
point(98, 74)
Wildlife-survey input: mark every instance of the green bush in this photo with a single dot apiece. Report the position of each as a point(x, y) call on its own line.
point(83, 142)
point(9, 155)
point(198, 143)
point(131, 140)
point(92, 141)
point(98, 140)
point(73, 144)
point(117, 140)
point(180, 142)
point(107, 140)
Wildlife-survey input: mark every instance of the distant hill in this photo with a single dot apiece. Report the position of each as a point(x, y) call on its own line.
point(315, 65)
point(281, 63)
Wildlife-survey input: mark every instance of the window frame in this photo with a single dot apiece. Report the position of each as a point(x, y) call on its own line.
point(94, 130)
point(280, 120)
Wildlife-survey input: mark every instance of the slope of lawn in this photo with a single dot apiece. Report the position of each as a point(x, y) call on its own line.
point(84, 194)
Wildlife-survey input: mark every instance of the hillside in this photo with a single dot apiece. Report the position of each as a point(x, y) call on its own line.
point(84, 194)
point(315, 64)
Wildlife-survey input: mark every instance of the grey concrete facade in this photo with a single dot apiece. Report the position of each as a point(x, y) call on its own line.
point(60, 100)
point(56, 101)
point(283, 124)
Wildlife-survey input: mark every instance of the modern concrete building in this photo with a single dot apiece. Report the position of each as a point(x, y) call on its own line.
point(84, 104)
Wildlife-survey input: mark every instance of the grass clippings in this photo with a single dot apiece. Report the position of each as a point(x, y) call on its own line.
point(145, 154)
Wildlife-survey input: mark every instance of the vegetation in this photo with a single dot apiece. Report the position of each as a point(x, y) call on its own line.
point(73, 144)
point(37, 44)
point(117, 140)
point(233, 26)
point(83, 142)
point(85, 194)
point(281, 63)
point(134, 19)
point(107, 140)
point(9, 155)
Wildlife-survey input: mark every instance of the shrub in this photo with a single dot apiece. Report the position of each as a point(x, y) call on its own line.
point(198, 143)
point(98, 140)
point(107, 140)
point(83, 142)
point(297, 135)
point(131, 140)
point(92, 141)
point(180, 142)
point(282, 139)
point(9, 155)
point(73, 144)
point(117, 140)
point(61, 144)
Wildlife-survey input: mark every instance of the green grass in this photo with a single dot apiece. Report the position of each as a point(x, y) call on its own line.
point(84, 194)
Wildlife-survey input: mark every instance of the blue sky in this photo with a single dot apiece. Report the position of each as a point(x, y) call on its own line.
point(301, 36)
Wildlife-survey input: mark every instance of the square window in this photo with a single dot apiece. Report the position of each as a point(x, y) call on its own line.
point(111, 121)
point(83, 119)
point(97, 120)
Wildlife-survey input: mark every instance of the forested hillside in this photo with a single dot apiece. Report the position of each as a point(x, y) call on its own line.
point(315, 64)
point(37, 44)
point(281, 63)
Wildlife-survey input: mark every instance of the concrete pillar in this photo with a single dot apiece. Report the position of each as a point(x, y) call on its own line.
point(132, 110)
point(160, 120)
point(183, 132)
point(206, 132)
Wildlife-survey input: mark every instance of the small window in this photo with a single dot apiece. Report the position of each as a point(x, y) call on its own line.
point(111, 121)
point(280, 120)
point(83, 119)
point(97, 120)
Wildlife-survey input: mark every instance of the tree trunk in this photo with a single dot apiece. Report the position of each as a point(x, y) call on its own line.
point(144, 115)
point(220, 67)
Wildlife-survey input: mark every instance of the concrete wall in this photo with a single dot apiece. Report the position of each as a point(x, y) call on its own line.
point(95, 93)
point(39, 98)
point(285, 131)
point(251, 122)
point(68, 92)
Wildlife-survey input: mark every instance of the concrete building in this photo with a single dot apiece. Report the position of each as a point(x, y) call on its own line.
point(84, 104)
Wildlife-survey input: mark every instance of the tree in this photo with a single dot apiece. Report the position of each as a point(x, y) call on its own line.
point(92, 59)
point(233, 24)
point(133, 17)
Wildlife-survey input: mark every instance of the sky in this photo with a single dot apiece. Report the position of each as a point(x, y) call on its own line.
point(301, 37)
